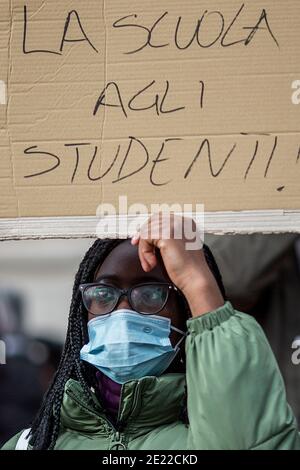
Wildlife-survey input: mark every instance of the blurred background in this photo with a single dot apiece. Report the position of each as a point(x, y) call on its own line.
point(261, 274)
point(36, 279)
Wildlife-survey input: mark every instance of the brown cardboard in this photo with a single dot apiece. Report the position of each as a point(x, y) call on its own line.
point(237, 103)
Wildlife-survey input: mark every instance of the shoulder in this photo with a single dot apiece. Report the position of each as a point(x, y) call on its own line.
point(12, 442)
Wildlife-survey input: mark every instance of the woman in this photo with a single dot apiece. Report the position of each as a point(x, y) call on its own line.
point(157, 358)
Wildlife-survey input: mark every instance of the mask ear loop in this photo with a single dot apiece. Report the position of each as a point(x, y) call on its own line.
point(181, 339)
point(178, 330)
point(177, 348)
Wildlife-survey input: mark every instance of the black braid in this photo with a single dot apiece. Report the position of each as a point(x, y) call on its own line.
point(46, 425)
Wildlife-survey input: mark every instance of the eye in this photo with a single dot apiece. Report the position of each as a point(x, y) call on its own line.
point(149, 298)
point(104, 294)
point(152, 294)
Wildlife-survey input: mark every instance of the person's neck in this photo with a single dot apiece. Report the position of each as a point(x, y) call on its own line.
point(110, 393)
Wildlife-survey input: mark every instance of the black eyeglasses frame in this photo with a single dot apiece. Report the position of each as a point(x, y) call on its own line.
point(127, 292)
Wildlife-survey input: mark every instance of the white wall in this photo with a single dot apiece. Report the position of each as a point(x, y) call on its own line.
point(43, 271)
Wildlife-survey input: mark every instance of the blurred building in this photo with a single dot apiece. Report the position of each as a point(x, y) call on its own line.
point(36, 279)
point(42, 272)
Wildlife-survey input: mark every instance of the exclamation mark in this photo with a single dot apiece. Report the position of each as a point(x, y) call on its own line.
point(2, 92)
point(2, 352)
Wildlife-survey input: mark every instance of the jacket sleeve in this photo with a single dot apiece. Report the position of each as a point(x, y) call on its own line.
point(235, 393)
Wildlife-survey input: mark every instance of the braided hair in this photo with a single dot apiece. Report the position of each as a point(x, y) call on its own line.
point(46, 425)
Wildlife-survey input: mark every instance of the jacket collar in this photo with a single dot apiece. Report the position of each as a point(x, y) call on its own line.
point(144, 403)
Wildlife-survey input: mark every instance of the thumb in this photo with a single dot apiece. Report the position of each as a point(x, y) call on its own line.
point(147, 255)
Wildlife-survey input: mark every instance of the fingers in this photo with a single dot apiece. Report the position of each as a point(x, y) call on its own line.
point(147, 255)
point(146, 252)
point(146, 246)
point(135, 239)
point(154, 232)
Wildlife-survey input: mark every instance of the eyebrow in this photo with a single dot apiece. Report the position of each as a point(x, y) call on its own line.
point(113, 277)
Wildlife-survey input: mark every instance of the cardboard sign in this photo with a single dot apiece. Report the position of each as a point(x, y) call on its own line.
point(162, 101)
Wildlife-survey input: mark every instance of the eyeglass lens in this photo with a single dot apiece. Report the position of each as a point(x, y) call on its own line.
point(100, 300)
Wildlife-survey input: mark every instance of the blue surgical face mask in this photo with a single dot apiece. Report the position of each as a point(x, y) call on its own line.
point(126, 345)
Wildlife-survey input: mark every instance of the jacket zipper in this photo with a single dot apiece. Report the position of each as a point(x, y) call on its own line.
point(116, 428)
point(135, 399)
point(116, 439)
point(136, 395)
point(104, 417)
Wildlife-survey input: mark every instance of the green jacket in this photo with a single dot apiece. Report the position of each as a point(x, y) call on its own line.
point(235, 397)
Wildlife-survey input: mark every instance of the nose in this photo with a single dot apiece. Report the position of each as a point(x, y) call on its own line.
point(123, 303)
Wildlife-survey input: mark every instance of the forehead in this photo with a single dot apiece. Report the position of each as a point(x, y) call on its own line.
point(123, 263)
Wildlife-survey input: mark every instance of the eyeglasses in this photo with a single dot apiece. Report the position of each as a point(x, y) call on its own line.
point(146, 298)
